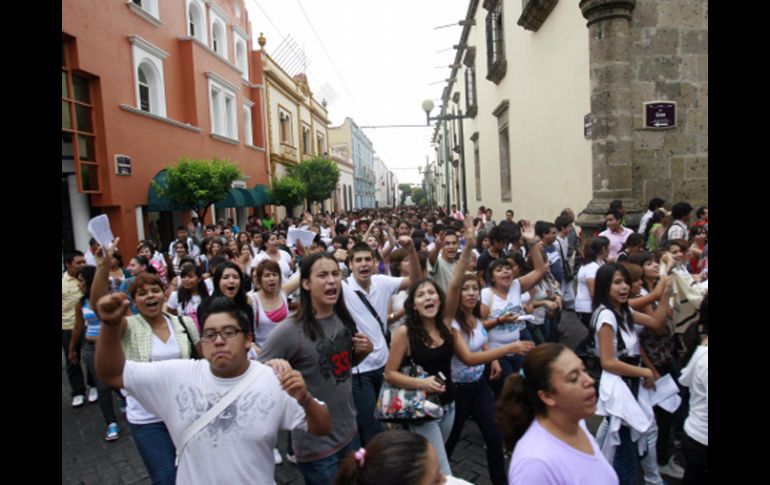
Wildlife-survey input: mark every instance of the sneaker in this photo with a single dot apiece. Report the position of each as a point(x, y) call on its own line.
point(277, 456)
point(78, 401)
point(291, 458)
point(113, 432)
point(672, 469)
point(93, 395)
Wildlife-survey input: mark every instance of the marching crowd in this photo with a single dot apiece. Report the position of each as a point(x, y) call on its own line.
point(379, 339)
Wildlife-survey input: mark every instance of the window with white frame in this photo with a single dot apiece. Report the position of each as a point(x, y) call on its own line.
point(223, 112)
point(505, 158)
point(247, 128)
point(148, 76)
point(217, 39)
point(149, 6)
point(284, 120)
point(306, 147)
point(240, 58)
point(219, 23)
point(320, 143)
point(196, 20)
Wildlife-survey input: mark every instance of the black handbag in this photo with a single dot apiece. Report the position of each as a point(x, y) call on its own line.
point(193, 350)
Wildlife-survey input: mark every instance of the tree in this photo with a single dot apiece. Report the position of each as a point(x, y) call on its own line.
point(198, 183)
point(319, 175)
point(287, 192)
point(406, 191)
point(419, 197)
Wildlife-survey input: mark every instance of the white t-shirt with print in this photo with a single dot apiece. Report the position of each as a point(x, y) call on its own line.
point(504, 333)
point(236, 446)
point(462, 373)
point(189, 310)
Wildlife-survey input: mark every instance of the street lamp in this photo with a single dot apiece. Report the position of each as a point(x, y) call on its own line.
point(428, 106)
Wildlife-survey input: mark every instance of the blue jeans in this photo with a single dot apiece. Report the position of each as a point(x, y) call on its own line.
point(626, 458)
point(366, 390)
point(476, 399)
point(157, 451)
point(323, 471)
point(437, 432)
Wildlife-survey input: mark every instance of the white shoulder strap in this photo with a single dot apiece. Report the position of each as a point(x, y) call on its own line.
point(200, 423)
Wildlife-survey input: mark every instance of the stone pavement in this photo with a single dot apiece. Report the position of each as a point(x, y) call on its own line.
point(88, 459)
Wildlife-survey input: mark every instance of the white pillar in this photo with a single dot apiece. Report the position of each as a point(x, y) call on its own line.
point(139, 223)
point(80, 214)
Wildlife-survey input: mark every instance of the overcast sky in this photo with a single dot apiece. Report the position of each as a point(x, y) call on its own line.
point(378, 58)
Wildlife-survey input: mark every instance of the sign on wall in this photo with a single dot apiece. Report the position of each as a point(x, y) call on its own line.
point(122, 165)
point(587, 126)
point(660, 114)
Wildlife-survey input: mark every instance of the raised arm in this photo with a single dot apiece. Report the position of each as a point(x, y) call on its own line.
point(529, 280)
point(657, 320)
point(456, 283)
point(291, 284)
point(415, 271)
point(486, 356)
point(101, 284)
point(433, 256)
point(110, 358)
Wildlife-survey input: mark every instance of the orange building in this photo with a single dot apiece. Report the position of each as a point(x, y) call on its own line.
point(145, 82)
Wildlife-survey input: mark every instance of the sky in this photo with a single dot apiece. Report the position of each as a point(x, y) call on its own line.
point(379, 58)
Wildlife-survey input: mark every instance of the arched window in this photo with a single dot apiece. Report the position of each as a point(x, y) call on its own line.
point(240, 58)
point(217, 39)
point(144, 90)
point(196, 21)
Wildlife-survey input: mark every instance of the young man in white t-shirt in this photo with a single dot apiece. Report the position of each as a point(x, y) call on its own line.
point(377, 290)
point(237, 445)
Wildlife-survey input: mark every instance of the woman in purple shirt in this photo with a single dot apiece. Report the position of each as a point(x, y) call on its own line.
point(542, 411)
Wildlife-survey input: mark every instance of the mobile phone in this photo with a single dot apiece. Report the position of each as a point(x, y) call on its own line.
point(441, 378)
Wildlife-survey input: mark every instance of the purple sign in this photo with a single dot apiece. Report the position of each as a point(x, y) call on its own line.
point(660, 114)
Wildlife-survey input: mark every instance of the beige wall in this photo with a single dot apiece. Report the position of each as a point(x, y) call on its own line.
point(548, 90)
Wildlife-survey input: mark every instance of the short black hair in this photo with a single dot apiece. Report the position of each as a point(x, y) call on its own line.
point(616, 204)
point(498, 234)
point(69, 257)
point(222, 304)
point(680, 210)
point(360, 247)
point(562, 222)
point(655, 203)
point(701, 210)
point(615, 213)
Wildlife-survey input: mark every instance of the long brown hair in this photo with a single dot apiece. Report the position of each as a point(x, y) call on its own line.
point(460, 314)
point(415, 328)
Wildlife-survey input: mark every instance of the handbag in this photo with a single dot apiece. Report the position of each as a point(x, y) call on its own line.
point(193, 350)
point(407, 406)
point(587, 351)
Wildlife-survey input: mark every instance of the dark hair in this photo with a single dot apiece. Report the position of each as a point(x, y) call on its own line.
point(144, 279)
point(267, 264)
point(615, 213)
point(498, 234)
point(491, 269)
point(217, 261)
point(594, 247)
point(385, 462)
point(360, 247)
point(70, 257)
point(635, 272)
point(183, 294)
point(480, 241)
point(118, 257)
point(680, 210)
point(603, 282)
point(241, 244)
point(342, 241)
point(616, 204)
point(701, 210)
point(415, 329)
point(640, 258)
point(655, 203)
point(681, 243)
point(460, 315)
point(222, 304)
point(87, 273)
point(240, 298)
point(657, 216)
point(521, 262)
point(396, 257)
point(305, 314)
point(519, 403)
point(146, 263)
point(634, 240)
point(543, 227)
point(562, 222)
point(696, 230)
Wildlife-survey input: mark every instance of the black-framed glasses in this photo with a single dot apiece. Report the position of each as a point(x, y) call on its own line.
point(210, 335)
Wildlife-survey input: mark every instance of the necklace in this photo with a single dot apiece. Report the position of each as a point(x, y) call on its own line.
point(334, 335)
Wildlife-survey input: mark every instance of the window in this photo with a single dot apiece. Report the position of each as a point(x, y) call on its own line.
point(320, 144)
point(196, 24)
point(505, 162)
point(471, 102)
point(240, 58)
point(217, 39)
point(146, 7)
point(78, 134)
point(495, 42)
point(219, 21)
point(476, 164)
point(223, 112)
point(306, 148)
point(284, 120)
point(148, 70)
point(247, 125)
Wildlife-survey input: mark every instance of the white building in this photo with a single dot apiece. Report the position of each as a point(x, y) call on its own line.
point(384, 184)
point(525, 94)
point(343, 197)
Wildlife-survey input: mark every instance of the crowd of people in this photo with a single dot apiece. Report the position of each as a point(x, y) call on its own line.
point(234, 335)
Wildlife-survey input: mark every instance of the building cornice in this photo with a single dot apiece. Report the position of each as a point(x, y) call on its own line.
point(168, 121)
point(139, 42)
point(225, 139)
point(218, 10)
point(217, 78)
point(241, 32)
point(143, 13)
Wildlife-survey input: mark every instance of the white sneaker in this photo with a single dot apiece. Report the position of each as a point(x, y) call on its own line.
point(672, 469)
point(93, 395)
point(291, 458)
point(277, 456)
point(78, 401)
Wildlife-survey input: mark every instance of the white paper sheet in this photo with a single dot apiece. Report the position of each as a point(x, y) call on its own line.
point(305, 237)
point(99, 227)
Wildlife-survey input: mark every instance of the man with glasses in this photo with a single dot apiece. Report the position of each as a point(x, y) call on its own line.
point(237, 445)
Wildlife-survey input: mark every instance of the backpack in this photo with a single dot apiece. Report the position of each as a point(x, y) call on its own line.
point(587, 350)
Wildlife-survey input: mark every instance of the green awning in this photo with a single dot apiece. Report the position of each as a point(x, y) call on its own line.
point(261, 196)
point(237, 198)
point(157, 203)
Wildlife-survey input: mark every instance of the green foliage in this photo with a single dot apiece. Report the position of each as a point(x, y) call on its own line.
point(288, 192)
point(406, 191)
point(319, 175)
point(420, 197)
point(199, 183)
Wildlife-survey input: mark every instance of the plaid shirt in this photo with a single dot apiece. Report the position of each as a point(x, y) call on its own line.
point(137, 339)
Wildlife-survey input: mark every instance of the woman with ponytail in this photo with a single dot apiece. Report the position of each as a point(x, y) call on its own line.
point(542, 412)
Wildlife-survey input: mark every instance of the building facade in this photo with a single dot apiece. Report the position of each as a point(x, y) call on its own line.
point(297, 122)
point(343, 196)
point(349, 138)
point(384, 188)
point(143, 84)
point(555, 100)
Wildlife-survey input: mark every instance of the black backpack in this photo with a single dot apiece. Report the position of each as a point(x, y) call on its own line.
point(587, 350)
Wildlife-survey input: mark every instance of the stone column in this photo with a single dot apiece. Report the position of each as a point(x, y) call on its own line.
point(612, 123)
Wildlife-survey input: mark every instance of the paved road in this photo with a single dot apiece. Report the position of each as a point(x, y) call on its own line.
point(88, 459)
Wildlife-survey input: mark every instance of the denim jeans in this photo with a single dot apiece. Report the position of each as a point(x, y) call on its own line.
point(437, 432)
point(649, 460)
point(366, 390)
point(626, 459)
point(323, 471)
point(476, 399)
point(74, 371)
point(105, 393)
point(157, 451)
